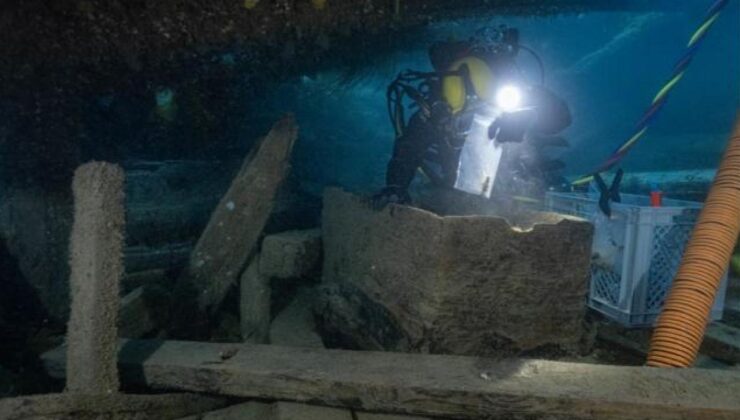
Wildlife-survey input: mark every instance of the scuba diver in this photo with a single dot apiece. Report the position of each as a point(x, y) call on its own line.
point(467, 111)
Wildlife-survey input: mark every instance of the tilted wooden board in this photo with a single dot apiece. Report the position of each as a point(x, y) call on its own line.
point(232, 234)
point(447, 386)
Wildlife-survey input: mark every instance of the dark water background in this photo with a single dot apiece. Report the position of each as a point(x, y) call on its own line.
point(607, 65)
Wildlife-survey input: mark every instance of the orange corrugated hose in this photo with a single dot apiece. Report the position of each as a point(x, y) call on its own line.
point(683, 321)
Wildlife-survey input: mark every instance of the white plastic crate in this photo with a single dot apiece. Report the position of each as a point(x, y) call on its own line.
point(636, 253)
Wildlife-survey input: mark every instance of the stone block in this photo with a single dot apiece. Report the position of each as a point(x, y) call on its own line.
point(469, 285)
point(294, 326)
point(291, 254)
point(254, 305)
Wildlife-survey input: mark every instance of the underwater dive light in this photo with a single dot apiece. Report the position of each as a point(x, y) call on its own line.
point(509, 98)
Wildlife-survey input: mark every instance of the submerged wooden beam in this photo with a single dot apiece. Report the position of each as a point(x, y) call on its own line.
point(96, 265)
point(434, 385)
point(118, 406)
point(232, 234)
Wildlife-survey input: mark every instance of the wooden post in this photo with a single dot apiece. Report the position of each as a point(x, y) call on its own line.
point(96, 261)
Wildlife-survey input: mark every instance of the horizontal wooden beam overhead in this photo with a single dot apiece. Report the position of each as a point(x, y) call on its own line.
point(433, 385)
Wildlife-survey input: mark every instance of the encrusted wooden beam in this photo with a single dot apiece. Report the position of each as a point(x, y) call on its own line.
point(433, 385)
point(115, 406)
point(96, 262)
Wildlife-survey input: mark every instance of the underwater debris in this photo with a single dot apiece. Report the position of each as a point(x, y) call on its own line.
point(295, 325)
point(437, 385)
point(115, 406)
point(291, 254)
point(92, 343)
point(144, 310)
point(231, 237)
point(467, 285)
point(250, 4)
point(96, 261)
point(254, 304)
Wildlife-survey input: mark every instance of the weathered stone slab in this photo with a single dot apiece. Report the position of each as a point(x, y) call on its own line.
point(232, 234)
point(254, 305)
point(115, 406)
point(96, 263)
point(294, 325)
point(291, 254)
point(462, 285)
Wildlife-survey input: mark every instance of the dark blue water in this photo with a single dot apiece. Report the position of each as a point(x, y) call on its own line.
point(607, 65)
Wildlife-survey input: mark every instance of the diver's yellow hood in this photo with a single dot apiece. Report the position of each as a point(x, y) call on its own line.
point(454, 90)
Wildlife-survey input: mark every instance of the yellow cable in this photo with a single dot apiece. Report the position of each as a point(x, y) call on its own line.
point(699, 32)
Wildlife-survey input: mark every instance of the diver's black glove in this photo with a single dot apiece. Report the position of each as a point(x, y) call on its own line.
point(390, 195)
point(511, 126)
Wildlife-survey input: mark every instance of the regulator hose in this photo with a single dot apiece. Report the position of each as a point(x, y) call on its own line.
point(682, 323)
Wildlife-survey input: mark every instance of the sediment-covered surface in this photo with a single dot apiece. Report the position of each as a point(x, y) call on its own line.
point(409, 280)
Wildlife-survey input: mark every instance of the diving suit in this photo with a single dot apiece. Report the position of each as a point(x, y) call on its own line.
point(474, 82)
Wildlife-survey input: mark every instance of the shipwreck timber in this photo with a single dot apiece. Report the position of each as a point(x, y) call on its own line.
point(446, 386)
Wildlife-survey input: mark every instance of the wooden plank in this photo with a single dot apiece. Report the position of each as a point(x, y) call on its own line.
point(254, 410)
point(114, 406)
point(233, 231)
point(431, 385)
point(374, 416)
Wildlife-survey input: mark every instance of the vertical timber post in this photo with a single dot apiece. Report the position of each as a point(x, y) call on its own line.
point(96, 262)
